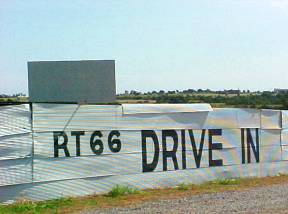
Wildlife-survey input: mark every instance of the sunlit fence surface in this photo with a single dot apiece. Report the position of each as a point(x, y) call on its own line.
point(59, 150)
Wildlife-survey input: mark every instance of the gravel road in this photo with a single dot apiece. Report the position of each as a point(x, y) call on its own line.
point(269, 199)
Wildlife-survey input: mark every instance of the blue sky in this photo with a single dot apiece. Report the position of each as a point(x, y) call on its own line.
point(216, 44)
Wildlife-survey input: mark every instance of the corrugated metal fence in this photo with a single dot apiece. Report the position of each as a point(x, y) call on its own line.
point(74, 150)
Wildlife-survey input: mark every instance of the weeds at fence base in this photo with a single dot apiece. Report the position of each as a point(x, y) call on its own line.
point(226, 181)
point(183, 186)
point(120, 190)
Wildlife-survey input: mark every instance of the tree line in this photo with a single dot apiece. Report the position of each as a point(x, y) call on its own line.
point(226, 98)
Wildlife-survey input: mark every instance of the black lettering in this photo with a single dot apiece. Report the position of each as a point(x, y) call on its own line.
point(250, 143)
point(97, 145)
point(149, 167)
point(63, 146)
point(167, 154)
point(115, 144)
point(243, 145)
point(214, 146)
point(183, 149)
point(77, 134)
point(197, 154)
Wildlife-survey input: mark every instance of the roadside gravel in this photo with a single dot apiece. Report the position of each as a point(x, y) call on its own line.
point(268, 199)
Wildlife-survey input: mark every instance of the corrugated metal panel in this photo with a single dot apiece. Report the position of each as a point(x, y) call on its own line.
point(53, 117)
point(117, 164)
point(129, 126)
point(97, 185)
point(46, 169)
point(285, 152)
point(92, 117)
point(15, 171)
point(248, 118)
point(219, 118)
point(284, 144)
point(271, 119)
point(284, 140)
point(285, 119)
point(15, 145)
point(284, 135)
point(94, 165)
point(233, 118)
point(14, 119)
point(165, 108)
point(131, 141)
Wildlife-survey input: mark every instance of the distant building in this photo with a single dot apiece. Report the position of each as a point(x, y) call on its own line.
point(232, 91)
point(279, 90)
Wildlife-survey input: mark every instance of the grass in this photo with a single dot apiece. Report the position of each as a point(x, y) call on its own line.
point(24, 206)
point(123, 196)
point(120, 190)
point(183, 186)
point(227, 181)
